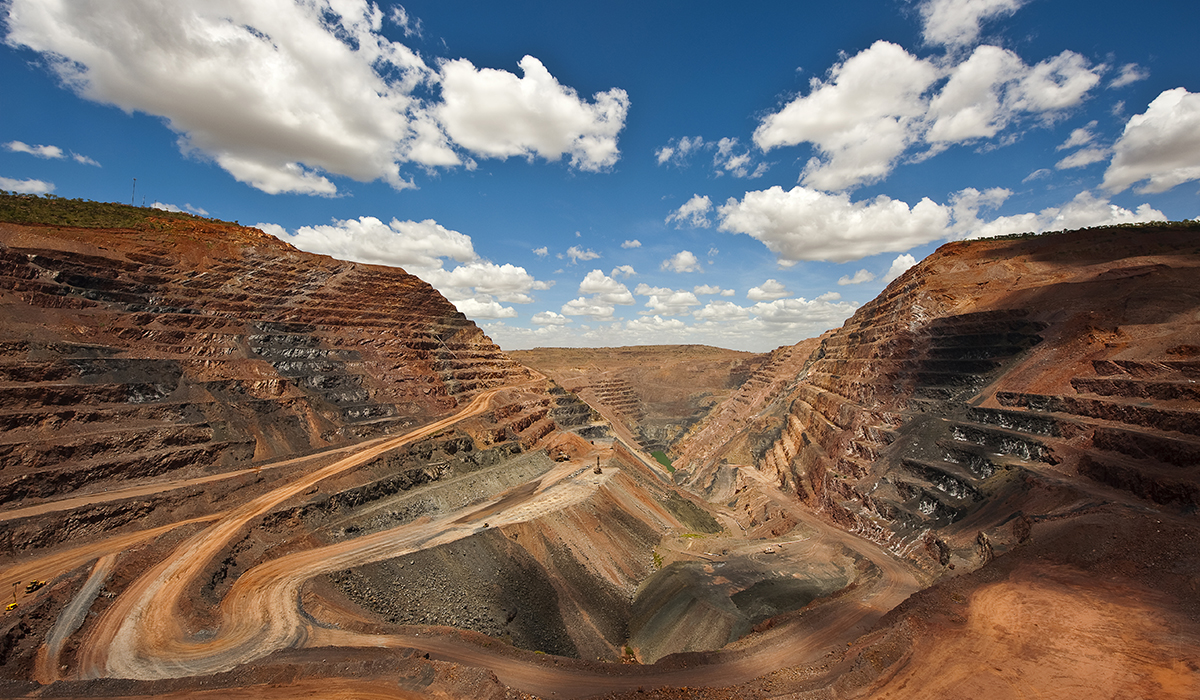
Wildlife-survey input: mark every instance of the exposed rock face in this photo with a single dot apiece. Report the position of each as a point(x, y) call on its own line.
point(741, 428)
point(989, 373)
point(158, 356)
point(198, 345)
point(658, 392)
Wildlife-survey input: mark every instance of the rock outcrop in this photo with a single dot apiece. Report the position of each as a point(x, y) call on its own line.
point(981, 380)
point(657, 392)
point(195, 346)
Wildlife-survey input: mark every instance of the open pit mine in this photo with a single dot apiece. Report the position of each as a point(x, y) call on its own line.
point(231, 469)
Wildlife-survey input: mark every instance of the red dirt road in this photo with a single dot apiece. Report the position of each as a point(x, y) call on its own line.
point(142, 635)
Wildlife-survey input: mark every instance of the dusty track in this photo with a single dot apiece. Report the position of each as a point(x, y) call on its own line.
point(260, 614)
point(150, 489)
point(146, 617)
point(142, 634)
point(51, 566)
point(71, 618)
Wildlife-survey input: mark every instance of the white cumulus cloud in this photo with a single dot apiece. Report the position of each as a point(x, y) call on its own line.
point(712, 289)
point(635, 243)
point(729, 157)
point(412, 26)
point(957, 22)
point(673, 304)
point(761, 327)
point(483, 308)
point(496, 114)
point(768, 291)
point(623, 271)
point(771, 321)
point(415, 244)
point(549, 318)
point(860, 120)
point(48, 152)
point(644, 290)
point(858, 278)
point(575, 253)
point(284, 93)
point(802, 224)
point(1130, 73)
point(877, 105)
point(694, 213)
point(605, 289)
point(507, 282)
point(1084, 210)
point(994, 88)
point(1082, 158)
point(52, 152)
point(275, 91)
point(654, 326)
point(806, 224)
point(802, 311)
point(1079, 137)
point(1160, 147)
point(972, 103)
point(1056, 83)
point(587, 307)
point(721, 311)
point(683, 261)
point(899, 266)
point(26, 186)
point(476, 287)
point(677, 151)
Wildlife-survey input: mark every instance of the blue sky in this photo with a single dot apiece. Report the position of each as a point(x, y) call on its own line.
point(619, 173)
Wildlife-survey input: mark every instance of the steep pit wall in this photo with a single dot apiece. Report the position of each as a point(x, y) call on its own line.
point(188, 347)
point(743, 424)
point(994, 378)
point(659, 392)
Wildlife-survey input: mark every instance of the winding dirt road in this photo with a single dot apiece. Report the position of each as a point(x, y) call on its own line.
point(142, 634)
point(155, 487)
point(71, 619)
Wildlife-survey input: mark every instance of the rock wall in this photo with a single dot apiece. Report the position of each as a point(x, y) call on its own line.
point(983, 381)
point(192, 346)
point(738, 426)
point(657, 392)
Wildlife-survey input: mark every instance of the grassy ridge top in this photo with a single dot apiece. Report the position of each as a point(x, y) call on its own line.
point(1186, 224)
point(58, 211)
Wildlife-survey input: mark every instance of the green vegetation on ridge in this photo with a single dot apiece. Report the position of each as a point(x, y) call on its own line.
point(83, 213)
point(1146, 225)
